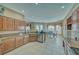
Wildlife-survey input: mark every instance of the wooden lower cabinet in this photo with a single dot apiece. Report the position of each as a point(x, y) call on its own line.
point(33, 37)
point(19, 41)
point(12, 43)
point(26, 39)
point(1, 48)
point(7, 45)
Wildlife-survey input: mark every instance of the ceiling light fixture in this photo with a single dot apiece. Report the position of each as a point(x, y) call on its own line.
point(62, 6)
point(36, 3)
point(22, 10)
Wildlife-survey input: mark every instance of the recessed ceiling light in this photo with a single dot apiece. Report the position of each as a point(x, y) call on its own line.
point(62, 6)
point(36, 3)
point(22, 10)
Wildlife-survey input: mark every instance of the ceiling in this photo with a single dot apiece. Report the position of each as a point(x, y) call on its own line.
point(41, 12)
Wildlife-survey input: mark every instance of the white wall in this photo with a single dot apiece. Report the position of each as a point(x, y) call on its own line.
point(13, 14)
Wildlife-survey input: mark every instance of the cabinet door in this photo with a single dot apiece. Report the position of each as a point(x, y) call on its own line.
point(19, 41)
point(69, 20)
point(19, 24)
point(26, 39)
point(5, 24)
point(1, 22)
point(16, 25)
point(13, 24)
point(8, 44)
point(22, 23)
point(1, 48)
point(9, 24)
point(33, 38)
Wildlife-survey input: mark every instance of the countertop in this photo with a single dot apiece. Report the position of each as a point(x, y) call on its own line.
point(74, 44)
point(4, 37)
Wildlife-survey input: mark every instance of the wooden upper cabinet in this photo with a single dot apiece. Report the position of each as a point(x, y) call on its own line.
point(1, 23)
point(17, 25)
point(6, 23)
point(10, 24)
point(23, 25)
point(69, 20)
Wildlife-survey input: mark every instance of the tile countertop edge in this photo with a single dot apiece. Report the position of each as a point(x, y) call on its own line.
point(9, 32)
point(4, 38)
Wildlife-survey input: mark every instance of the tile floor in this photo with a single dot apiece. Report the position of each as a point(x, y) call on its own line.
point(51, 46)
